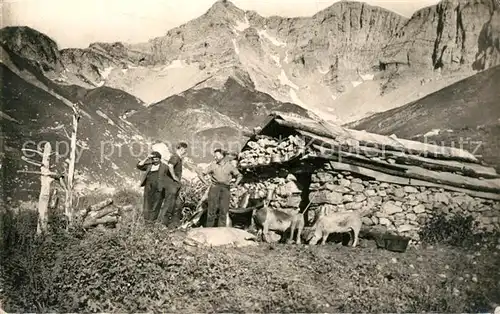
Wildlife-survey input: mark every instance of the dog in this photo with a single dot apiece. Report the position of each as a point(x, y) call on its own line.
point(336, 223)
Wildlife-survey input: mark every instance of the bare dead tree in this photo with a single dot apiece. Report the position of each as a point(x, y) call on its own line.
point(46, 178)
point(68, 204)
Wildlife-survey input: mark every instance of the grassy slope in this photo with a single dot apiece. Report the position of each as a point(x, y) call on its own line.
point(469, 107)
point(112, 272)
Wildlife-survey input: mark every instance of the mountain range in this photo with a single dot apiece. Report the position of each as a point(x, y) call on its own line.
point(220, 75)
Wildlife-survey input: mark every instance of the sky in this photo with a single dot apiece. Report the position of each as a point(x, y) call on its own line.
point(77, 23)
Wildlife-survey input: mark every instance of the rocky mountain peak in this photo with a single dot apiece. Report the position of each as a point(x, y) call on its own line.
point(32, 45)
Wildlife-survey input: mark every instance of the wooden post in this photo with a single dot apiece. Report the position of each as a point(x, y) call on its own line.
point(71, 169)
point(44, 198)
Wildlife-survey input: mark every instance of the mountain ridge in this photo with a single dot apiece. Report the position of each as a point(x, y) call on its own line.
point(314, 61)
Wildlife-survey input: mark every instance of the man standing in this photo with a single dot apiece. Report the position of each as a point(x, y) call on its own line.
point(169, 214)
point(153, 185)
point(221, 172)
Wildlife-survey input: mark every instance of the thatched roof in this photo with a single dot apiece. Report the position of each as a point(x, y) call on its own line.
point(387, 158)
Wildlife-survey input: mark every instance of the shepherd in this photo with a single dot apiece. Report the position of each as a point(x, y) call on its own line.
point(152, 183)
point(221, 171)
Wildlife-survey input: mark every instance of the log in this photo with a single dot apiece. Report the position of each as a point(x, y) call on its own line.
point(407, 146)
point(104, 220)
point(96, 207)
point(470, 170)
point(394, 179)
point(490, 186)
point(106, 211)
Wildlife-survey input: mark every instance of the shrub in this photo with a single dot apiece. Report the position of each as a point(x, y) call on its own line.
point(457, 230)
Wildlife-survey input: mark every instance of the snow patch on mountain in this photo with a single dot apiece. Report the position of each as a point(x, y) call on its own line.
point(367, 77)
point(273, 40)
point(284, 80)
point(242, 25)
point(103, 115)
point(433, 132)
point(175, 64)
point(356, 83)
point(276, 60)
point(236, 49)
point(322, 71)
point(106, 72)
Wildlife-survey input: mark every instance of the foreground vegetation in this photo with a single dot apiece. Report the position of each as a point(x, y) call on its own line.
point(135, 269)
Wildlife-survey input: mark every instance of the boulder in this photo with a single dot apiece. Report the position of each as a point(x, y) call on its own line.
point(222, 236)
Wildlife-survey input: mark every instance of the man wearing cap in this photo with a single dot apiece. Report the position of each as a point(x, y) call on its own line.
point(152, 182)
point(221, 172)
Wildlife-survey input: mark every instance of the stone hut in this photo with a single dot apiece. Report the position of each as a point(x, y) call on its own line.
point(398, 184)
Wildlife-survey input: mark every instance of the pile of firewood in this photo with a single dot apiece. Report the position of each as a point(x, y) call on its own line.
point(266, 150)
point(103, 213)
point(282, 192)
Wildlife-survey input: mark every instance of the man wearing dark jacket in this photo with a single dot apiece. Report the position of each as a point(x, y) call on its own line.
point(152, 181)
point(169, 215)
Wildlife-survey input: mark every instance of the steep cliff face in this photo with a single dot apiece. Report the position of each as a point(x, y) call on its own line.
point(444, 36)
point(32, 45)
point(344, 62)
point(489, 43)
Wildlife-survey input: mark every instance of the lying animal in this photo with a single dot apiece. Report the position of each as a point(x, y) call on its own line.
point(268, 218)
point(336, 223)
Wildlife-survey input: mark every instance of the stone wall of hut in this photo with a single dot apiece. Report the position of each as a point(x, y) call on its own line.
point(401, 209)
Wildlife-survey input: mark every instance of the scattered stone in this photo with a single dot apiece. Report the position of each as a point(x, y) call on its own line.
point(345, 182)
point(413, 203)
point(359, 198)
point(325, 196)
point(411, 217)
point(348, 198)
point(384, 221)
point(390, 208)
point(419, 209)
point(357, 187)
point(382, 193)
point(474, 278)
point(367, 221)
point(370, 193)
point(399, 193)
point(384, 185)
point(410, 189)
point(441, 198)
point(357, 180)
point(406, 228)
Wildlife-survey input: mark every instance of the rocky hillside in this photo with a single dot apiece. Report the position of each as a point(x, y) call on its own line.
point(35, 110)
point(208, 117)
point(465, 114)
point(345, 62)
